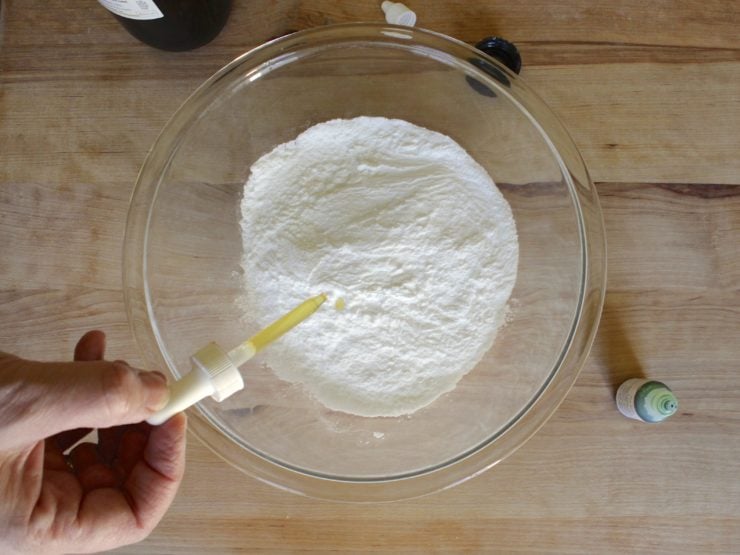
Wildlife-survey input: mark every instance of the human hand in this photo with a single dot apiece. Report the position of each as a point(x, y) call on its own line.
point(99, 496)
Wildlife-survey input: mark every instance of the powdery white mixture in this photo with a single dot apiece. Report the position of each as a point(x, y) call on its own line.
point(401, 223)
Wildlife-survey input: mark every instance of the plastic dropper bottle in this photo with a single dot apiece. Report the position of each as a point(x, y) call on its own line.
point(646, 400)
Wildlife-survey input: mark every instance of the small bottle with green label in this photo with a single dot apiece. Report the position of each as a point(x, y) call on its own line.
point(646, 400)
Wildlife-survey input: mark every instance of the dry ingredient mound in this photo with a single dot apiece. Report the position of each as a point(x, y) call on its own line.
point(403, 226)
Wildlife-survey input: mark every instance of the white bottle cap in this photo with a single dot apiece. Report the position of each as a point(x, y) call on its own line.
point(213, 374)
point(398, 14)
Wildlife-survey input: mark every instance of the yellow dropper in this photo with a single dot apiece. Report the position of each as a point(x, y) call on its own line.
point(215, 372)
point(241, 354)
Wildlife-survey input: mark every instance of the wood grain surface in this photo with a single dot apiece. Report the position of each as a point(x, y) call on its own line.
point(650, 91)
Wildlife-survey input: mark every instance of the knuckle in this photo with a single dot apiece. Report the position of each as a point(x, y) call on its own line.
point(118, 383)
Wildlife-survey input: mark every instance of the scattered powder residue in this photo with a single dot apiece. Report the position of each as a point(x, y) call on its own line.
point(406, 233)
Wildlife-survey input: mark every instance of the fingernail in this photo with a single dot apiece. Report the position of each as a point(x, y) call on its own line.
point(158, 392)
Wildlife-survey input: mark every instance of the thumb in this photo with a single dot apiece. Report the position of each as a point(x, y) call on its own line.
point(50, 397)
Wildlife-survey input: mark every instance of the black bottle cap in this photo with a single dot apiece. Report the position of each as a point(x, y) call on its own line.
point(503, 51)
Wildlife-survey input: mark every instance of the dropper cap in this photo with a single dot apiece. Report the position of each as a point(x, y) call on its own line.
point(213, 374)
point(397, 13)
point(656, 405)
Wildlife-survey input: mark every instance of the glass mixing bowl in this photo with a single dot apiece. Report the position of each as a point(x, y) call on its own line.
point(182, 257)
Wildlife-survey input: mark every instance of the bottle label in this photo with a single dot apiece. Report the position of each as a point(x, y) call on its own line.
point(626, 397)
point(133, 9)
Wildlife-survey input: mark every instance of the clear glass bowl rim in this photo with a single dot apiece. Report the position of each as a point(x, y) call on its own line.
point(565, 371)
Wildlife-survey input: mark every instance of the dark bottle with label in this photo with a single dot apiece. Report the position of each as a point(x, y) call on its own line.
point(171, 24)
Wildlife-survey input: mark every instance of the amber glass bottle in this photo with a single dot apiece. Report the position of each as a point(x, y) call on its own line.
point(171, 24)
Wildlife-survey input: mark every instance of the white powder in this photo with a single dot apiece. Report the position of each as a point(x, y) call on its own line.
point(404, 226)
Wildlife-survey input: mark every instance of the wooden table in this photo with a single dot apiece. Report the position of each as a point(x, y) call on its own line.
point(649, 89)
